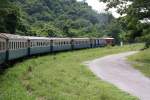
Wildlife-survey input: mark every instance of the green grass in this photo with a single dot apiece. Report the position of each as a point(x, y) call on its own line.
point(61, 76)
point(141, 61)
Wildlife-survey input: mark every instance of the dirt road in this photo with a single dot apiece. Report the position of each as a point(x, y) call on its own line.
point(116, 70)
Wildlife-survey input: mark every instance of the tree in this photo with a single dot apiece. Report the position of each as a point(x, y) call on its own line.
point(136, 11)
point(8, 17)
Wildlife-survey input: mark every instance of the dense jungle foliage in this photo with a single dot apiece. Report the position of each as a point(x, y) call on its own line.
point(61, 18)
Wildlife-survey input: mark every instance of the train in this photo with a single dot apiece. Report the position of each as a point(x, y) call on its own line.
point(17, 46)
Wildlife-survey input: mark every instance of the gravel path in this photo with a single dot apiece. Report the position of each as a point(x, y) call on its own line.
point(116, 70)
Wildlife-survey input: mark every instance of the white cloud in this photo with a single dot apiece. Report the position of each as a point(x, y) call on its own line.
point(100, 7)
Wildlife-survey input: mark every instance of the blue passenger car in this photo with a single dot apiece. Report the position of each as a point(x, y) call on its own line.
point(39, 45)
point(16, 46)
point(80, 43)
point(61, 44)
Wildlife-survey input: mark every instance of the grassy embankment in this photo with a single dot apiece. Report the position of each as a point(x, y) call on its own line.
point(61, 76)
point(141, 61)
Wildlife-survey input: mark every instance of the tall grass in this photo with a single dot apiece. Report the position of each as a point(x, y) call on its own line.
point(141, 61)
point(61, 76)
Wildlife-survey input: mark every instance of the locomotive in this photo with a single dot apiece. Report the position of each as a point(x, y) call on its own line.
point(17, 46)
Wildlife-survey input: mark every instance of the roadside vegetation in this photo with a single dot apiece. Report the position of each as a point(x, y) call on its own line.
point(61, 76)
point(141, 61)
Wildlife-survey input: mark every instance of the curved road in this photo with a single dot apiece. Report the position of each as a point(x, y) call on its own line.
point(116, 70)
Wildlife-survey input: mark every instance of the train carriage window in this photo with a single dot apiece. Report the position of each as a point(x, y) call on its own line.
point(64, 43)
point(26, 44)
point(41, 43)
point(33, 44)
point(0, 45)
point(11, 45)
point(45, 43)
point(14, 44)
point(4, 47)
point(17, 45)
point(22, 45)
point(30, 44)
point(38, 44)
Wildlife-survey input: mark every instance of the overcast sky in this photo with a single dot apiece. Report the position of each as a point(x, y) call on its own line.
point(100, 7)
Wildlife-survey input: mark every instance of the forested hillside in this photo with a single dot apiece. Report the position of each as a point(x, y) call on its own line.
point(61, 18)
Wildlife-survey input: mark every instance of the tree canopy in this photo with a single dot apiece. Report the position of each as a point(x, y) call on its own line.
point(136, 19)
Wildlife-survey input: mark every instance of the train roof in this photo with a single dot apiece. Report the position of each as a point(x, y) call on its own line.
point(36, 38)
point(10, 36)
point(80, 38)
point(108, 38)
point(13, 36)
point(54, 38)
